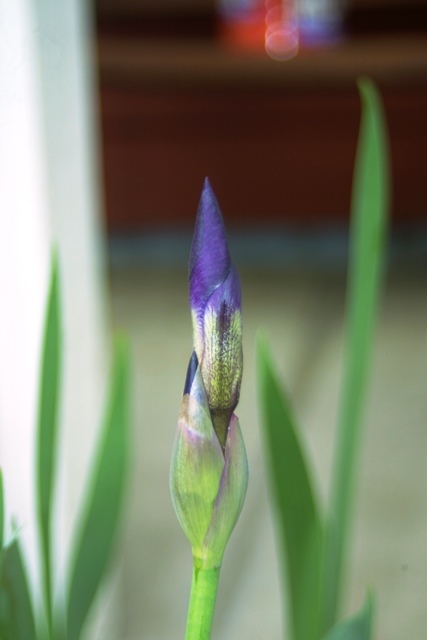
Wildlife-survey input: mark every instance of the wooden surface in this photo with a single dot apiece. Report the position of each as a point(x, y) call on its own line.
point(276, 139)
point(156, 63)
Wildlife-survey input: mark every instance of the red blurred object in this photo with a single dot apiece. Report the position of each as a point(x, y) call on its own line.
point(277, 140)
point(243, 29)
point(281, 29)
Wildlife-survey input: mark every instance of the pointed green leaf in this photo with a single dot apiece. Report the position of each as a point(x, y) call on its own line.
point(359, 627)
point(16, 614)
point(47, 431)
point(1, 511)
point(299, 527)
point(101, 514)
point(370, 208)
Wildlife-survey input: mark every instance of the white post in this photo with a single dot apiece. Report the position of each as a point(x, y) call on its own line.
point(24, 255)
point(49, 192)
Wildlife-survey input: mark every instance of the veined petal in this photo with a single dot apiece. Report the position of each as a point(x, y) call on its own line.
point(222, 360)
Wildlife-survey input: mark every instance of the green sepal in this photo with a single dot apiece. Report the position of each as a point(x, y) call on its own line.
point(231, 495)
point(207, 486)
point(196, 467)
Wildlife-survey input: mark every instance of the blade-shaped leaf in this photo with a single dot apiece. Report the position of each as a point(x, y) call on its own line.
point(299, 527)
point(370, 205)
point(101, 514)
point(47, 431)
point(16, 614)
point(359, 627)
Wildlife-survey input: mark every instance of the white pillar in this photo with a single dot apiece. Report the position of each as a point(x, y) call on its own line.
point(24, 255)
point(49, 192)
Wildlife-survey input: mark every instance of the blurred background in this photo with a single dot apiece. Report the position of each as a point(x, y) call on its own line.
point(111, 116)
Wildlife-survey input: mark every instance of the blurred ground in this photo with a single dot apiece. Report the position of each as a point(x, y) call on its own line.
point(302, 312)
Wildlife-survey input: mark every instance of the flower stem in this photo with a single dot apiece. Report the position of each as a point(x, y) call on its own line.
point(202, 603)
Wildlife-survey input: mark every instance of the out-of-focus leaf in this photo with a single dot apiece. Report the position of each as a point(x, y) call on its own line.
point(1, 511)
point(47, 431)
point(370, 208)
point(358, 627)
point(102, 510)
point(16, 614)
point(299, 528)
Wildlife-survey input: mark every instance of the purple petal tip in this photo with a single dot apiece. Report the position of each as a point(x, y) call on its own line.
point(209, 258)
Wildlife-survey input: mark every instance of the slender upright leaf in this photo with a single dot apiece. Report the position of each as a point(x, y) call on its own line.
point(358, 627)
point(1, 511)
point(370, 204)
point(101, 515)
point(16, 615)
point(299, 528)
point(47, 431)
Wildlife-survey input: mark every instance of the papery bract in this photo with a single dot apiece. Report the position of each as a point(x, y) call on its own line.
point(207, 487)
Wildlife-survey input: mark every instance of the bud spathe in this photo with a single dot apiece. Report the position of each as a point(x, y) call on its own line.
point(208, 486)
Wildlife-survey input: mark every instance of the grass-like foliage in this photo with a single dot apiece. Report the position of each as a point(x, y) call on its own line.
point(100, 514)
point(104, 499)
point(300, 527)
point(312, 546)
point(47, 433)
point(358, 627)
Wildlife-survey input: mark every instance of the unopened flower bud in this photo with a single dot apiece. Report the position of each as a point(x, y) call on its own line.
point(215, 301)
point(209, 471)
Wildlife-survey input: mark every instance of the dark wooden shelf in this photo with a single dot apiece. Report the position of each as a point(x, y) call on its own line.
point(387, 59)
point(277, 138)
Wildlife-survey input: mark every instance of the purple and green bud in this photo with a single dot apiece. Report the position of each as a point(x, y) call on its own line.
point(209, 470)
point(215, 302)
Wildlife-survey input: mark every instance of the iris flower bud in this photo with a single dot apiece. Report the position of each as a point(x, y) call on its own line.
point(209, 469)
point(215, 302)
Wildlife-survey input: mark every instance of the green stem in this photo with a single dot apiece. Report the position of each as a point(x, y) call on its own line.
point(202, 603)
